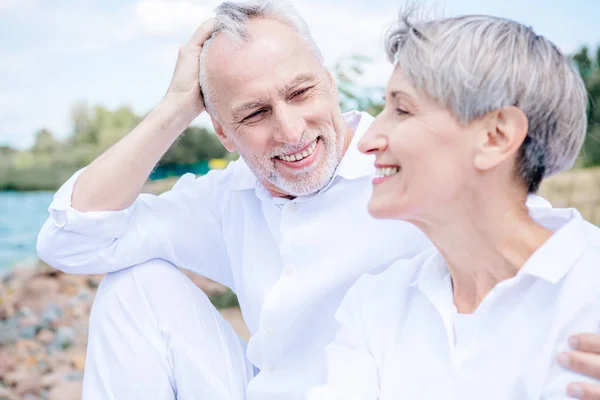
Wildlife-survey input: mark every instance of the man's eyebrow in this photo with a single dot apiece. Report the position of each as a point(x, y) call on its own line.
point(302, 78)
point(237, 111)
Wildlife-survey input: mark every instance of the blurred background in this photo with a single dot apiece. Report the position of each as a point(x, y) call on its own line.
point(76, 76)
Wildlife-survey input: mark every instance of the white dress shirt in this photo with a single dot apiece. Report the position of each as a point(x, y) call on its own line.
point(289, 262)
point(401, 337)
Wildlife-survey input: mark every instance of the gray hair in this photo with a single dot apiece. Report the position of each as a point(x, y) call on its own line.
point(475, 64)
point(232, 19)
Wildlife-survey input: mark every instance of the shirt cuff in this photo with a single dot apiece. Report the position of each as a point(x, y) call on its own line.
point(100, 224)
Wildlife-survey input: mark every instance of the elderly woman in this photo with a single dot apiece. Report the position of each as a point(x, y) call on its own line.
point(478, 111)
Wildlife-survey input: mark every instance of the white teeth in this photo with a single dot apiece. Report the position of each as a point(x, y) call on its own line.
point(389, 171)
point(301, 155)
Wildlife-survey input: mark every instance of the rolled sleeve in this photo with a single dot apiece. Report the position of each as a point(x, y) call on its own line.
point(181, 226)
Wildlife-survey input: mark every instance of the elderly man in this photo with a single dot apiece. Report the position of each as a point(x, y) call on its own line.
point(286, 227)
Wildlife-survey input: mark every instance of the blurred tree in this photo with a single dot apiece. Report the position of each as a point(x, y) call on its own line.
point(196, 144)
point(348, 72)
point(110, 126)
point(590, 72)
point(7, 152)
point(82, 134)
point(45, 143)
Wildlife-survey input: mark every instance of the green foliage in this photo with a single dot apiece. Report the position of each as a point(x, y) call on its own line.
point(590, 71)
point(353, 96)
point(50, 162)
point(195, 145)
point(225, 300)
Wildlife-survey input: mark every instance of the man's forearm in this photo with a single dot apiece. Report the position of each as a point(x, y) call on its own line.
point(114, 180)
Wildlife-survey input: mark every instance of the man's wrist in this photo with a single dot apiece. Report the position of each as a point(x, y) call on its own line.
point(172, 115)
point(179, 108)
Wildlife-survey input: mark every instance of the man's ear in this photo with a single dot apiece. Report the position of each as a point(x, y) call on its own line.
point(503, 133)
point(223, 138)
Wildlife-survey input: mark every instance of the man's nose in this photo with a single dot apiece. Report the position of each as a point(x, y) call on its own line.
point(290, 127)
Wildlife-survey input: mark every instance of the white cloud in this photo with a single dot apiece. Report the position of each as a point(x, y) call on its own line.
point(10, 5)
point(171, 16)
point(14, 61)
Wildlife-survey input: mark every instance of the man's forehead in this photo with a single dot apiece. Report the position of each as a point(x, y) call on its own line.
point(273, 59)
point(266, 40)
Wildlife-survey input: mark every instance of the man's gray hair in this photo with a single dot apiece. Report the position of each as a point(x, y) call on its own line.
point(476, 64)
point(232, 19)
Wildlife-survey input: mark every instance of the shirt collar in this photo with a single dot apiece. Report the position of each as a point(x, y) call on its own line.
point(433, 270)
point(354, 164)
point(553, 260)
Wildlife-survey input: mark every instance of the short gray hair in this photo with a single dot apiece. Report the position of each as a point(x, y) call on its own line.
point(232, 19)
point(475, 64)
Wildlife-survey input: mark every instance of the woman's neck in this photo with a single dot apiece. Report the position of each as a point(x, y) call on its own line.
point(485, 242)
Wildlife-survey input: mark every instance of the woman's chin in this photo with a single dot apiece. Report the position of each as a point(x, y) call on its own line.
point(387, 209)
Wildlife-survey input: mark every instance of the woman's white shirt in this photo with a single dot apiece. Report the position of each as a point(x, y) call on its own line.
point(400, 335)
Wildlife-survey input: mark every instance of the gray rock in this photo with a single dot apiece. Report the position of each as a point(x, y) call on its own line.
point(25, 312)
point(65, 336)
point(28, 332)
point(52, 313)
point(9, 331)
point(74, 376)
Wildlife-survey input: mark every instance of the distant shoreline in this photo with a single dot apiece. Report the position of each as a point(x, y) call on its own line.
point(155, 186)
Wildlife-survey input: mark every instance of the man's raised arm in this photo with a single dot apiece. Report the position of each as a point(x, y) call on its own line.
point(114, 180)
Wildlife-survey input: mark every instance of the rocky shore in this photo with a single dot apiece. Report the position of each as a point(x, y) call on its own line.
point(43, 330)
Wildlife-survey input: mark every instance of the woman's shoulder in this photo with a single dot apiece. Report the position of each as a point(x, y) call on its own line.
point(584, 274)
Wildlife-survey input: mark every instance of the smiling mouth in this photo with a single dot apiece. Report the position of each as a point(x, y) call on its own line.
point(387, 171)
point(301, 155)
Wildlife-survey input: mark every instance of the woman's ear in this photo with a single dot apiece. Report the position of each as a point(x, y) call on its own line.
point(223, 137)
point(504, 132)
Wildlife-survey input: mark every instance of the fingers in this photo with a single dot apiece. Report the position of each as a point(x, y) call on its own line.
point(585, 391)
point(584, 363)
point(202, 33)
point(586, 342)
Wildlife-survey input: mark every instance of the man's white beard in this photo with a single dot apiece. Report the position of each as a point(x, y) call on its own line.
point(310, 180)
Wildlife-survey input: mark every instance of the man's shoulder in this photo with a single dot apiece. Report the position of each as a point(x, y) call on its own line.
point(236, 176)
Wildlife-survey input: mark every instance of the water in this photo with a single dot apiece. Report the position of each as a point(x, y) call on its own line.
point(21, 217)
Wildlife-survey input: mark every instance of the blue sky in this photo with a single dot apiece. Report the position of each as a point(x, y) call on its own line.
point(56, 52)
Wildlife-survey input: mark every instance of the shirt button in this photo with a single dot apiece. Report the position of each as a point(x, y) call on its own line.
point(288, 271)
point(270, 367)
point(293, 207)
point(270, 331)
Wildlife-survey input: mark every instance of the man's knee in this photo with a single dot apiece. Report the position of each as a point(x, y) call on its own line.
point(154, 292)
point(151, 276)
point(153, 282)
